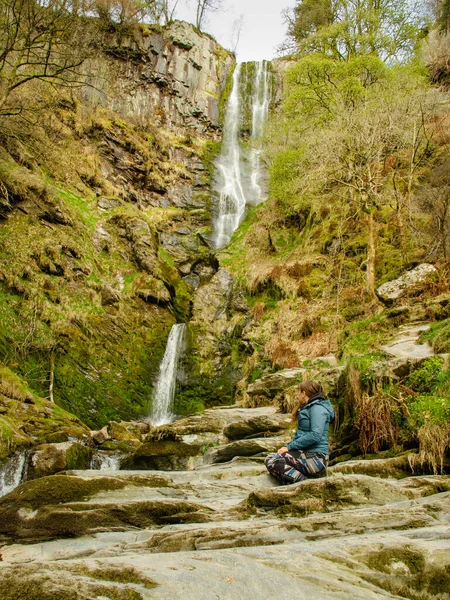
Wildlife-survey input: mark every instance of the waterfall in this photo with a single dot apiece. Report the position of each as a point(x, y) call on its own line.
point(166, 383)
point(106, 461)
point(11, 473)
point(260, 111)
point(229, 177)
point(239, 174)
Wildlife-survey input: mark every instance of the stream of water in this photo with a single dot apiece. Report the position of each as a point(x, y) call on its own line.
point(166, 383)
point(239, 173)
point(11, 474)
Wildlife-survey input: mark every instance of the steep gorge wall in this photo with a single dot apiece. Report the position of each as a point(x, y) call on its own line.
point(104, 236)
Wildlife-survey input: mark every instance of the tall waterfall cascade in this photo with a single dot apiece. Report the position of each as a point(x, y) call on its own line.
point(166, 383)
point(239, 178)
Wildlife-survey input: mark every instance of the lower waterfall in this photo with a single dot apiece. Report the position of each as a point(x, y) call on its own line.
point(12, 473)
point(165, 386)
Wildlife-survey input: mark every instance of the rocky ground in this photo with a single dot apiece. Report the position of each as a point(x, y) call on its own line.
point(222, 528)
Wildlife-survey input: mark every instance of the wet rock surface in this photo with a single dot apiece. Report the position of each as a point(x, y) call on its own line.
point(369, 529)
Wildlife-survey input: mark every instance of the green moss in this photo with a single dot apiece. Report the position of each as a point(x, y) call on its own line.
point(383, 560)
point(428, 409)
point(56, 489)
point(117, 575)
point(166, 447)
point(427, 377)
point(424, 581)
point(225, 94)
point(439, 336)
point(19, 584)
point(365, 336)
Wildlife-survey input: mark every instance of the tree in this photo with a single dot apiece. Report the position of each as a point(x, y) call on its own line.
point(236, 32)
point(344, 28)
point(162, 11)
point(39, 40)
point(203, 8)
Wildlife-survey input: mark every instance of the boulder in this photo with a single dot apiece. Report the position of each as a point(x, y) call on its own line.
point(259, 425)
point(168, 454)
point(245, 448)
point(123, 432)
point(101, 436)
point(328, 494)
point(393, 290)
point(273, 384)
point(48, 459)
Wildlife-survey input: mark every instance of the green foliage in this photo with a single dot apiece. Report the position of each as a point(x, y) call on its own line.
point(321, 87)
point(226, 94)
point(439, 336)
point(360, 337)
point(428, 409)
point(428, 376)
point(343, 28)
point(190, 401)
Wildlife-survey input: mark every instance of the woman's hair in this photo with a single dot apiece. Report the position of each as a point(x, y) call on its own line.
point(311, 388)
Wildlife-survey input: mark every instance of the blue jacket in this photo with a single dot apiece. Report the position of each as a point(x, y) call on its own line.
point(313, 420)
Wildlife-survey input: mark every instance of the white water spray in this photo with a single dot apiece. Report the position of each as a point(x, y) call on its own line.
point(239, 175)
point(11, 473)
point(260, 111)
point(166, 383)
point(106, 461)
point(229, 177)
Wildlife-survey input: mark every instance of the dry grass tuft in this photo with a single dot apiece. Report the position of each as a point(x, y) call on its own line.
point(434, 440)
point(258, 311)
point(374, 422)
point(283, 354)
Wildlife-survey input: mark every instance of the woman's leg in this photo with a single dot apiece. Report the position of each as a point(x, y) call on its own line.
point(282, 470)
point(295, 466)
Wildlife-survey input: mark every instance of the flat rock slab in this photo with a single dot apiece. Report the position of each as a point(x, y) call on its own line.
point(356, 567)
point(407, 345)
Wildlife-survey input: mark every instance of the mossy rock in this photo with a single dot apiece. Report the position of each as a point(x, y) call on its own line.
point(123, 432)
point(71, 582)
point(407, 571)
point(327, 494)
point(53, 458)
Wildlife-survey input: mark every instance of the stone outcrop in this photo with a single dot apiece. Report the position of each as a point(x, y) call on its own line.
point(53, 458)
point(172, 77)
point(274, 383)
point(393, 290)
point(219, 313)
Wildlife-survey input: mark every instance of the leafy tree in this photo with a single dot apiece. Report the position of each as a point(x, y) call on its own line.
point(347, 28)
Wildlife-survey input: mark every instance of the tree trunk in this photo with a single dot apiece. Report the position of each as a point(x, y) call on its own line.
point(371, 256)
point(52, 376)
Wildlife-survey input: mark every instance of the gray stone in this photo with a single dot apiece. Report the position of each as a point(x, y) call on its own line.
point(393, 290)
point(100, 436)
point(407, 346)
point(108, 203)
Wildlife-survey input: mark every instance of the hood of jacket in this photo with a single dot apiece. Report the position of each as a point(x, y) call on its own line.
point(319, 397)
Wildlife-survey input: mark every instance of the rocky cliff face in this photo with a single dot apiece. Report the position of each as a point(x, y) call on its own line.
point(104, 230)
point(171, 77)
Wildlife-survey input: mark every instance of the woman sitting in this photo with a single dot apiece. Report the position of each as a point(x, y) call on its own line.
point(307, 454)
